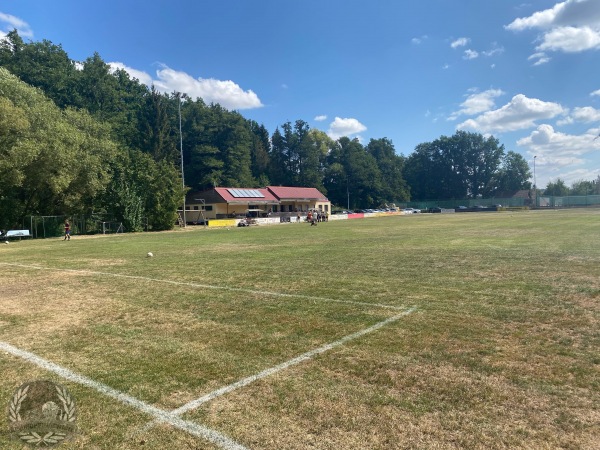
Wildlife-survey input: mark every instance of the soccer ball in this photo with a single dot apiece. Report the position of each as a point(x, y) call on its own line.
point(149, 255)
point(6, 242)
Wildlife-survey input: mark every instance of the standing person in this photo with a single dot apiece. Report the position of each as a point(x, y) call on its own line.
point(67, 231)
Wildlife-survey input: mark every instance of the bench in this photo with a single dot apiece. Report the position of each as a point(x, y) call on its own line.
point(13, 234)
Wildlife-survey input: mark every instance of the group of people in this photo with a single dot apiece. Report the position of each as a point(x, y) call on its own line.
point(313, 217)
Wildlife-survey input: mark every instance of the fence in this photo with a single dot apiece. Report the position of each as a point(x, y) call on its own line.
point(54, 226)
point(542, 201)
point(570, 201)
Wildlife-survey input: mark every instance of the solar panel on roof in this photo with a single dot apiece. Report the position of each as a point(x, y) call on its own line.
point(245, 193)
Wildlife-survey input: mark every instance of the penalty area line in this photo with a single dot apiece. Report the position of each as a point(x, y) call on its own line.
point(292, 362)
point(159, 415)
point(209, 286)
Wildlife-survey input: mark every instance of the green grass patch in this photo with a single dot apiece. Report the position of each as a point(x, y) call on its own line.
point(502, 350)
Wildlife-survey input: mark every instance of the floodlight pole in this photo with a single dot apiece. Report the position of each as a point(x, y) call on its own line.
point(181, 155)
point(534, 180)
point(348, 193)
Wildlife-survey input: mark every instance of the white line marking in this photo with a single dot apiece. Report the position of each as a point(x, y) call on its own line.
point(292, 362)
point(159, 415)
point(208, 286)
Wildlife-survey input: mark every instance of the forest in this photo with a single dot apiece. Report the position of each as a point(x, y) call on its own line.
point(82, 138)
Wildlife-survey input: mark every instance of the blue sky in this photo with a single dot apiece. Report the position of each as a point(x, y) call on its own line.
point(524, 72)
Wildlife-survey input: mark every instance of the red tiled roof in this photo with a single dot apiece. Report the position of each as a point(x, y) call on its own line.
point(291, 193)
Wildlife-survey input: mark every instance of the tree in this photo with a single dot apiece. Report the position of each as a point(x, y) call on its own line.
point(40, 64)
point(234, 142)
point(313, 149)
point(353, 174)
point(513, 175)
point(557, 188)
point(460, 166)
point(422, 173)
point(394, 188)
point(155, 133)
point(57, 162)
point(278, 173)
point(54, 161)
point(481, 159)
point(260, 151)
point(582, 187)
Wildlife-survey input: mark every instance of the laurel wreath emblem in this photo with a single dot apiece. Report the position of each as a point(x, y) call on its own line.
point(15, 404)
point(50, 438)
point(67, 414)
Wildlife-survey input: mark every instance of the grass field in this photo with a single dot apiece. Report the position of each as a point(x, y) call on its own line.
point(426, 331)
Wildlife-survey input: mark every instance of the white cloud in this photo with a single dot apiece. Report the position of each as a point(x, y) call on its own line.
point(227, 93)
point(570, 12)
point(143, 77)
point(460, 42)
point(494, 51)
point(477, 103)
point(11, 22)
point(595, 93)
point(470, 54)
point(520, 113)
point(586, 114)
point(556, 150)
point(570, 40)
point(344, 127)
point(418, 40)
point(540, 19)
point(320, 118)
point(571, 26)
point(539, 58)
point(568, 120)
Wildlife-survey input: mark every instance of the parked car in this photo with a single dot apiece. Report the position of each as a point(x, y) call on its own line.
point(435, 209)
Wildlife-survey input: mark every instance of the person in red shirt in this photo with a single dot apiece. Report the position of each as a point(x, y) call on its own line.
point(67, 231)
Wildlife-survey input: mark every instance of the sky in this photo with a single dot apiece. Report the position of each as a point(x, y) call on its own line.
point(525, 72)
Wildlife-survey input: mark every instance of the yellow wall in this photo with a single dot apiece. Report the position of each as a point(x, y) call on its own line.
point(223, 223)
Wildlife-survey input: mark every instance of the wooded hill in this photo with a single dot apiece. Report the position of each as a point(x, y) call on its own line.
point(81, 138)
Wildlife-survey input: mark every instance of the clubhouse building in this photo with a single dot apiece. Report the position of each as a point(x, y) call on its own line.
point(270, 202)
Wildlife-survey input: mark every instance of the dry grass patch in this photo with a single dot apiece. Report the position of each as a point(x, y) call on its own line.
point(502, 351)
